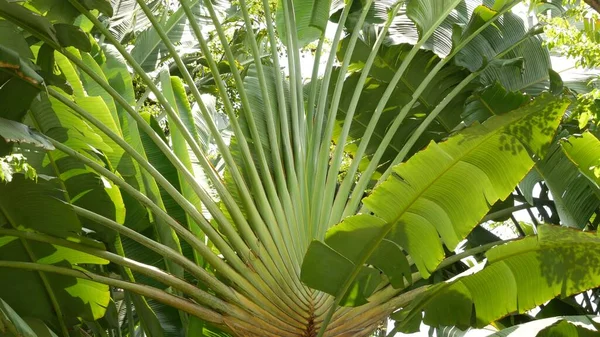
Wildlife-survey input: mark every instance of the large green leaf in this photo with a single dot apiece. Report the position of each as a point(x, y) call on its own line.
point(518, 276)
point(310, 18)
point(83, 186)
point(490, 101)
point(571, 326)
point(508, 33)
point(27, 205)
point(29, 20)
point(584, 152)
point(14, 40)
point(13, 131)
point(149, 50)
point(29, 295)
point(12, 325)
point(444, 191)
point(575, 196)
point(38, 206)
point(386, 64)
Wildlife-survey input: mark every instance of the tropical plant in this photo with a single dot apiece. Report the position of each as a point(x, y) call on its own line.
point(168, 172)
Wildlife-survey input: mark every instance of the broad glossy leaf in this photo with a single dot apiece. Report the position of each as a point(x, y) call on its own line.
point(72, 36)
point(27, 19)
point(14, 63)
point(149, 50)
point(575, 196)
point(584, 152)
point(79, 298)
point(561, 325)
point(518, 276)
point(310, 18)
point(386, 64)
point(443, 191)
point(491, 101)
point(16, 132)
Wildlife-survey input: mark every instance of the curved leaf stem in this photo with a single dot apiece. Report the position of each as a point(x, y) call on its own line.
point(195, 293)
point(204, 162)
point(203, 250)
point(318, 139)
point(341, 142)
point(285, 133)
point(144, 290)
point(202, 275)
point(355, 197)
point(272, 274)
point(291, 243)
point(332, 165)
point(273, 212)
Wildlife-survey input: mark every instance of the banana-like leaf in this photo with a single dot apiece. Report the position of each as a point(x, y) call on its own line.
point(584, 152)
point(13, 325)
point(507, 32)
point(128, 19)
point(84, 187)
point(28, 205)
point(444, 191)
point(555, 326)
point(149, 51)
point(518, 276)
point(575, 196)
point(571, 326)
point(55, 10)
point(78, 298)
point(491, 101)
point(13, 131)
point(26, 18)
point(386, 64)
point(13, 39)
point(310, 18)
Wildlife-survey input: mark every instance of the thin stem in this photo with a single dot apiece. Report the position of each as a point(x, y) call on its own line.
point(355, 197)
point(285, 222)
point(204, 251)
point(325, 152)
point(318, 139)
point(341, 142)
point(196, 271)
point(470, 252)
point(144, 290)
point(49, 291)
point(144, 269)
point(274, 216)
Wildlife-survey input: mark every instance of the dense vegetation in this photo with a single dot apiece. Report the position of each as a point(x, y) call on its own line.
point(297, 168)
